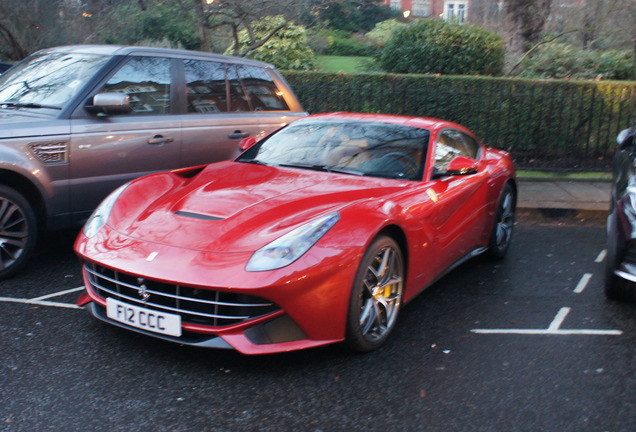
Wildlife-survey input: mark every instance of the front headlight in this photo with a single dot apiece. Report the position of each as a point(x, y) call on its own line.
point(288, 248)
point(100, 216)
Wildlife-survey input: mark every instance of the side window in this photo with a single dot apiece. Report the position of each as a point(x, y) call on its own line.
point(205, 81)
point(237, 99)
point(452, 143)
point(146, 80)
point(261, 90)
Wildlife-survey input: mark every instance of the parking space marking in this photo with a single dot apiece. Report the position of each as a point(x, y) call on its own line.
point(56, 294)
point(553, 329)
point(601, 256)
point(585, 279)
point(40, 301)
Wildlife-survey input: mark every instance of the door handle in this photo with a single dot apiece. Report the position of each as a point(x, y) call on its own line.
point(160, 139)
point(238, 135)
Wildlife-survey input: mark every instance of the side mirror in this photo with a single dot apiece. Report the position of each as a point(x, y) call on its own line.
point(110, 103)
point(625, 138)
point(246, 143)
point(461, 165)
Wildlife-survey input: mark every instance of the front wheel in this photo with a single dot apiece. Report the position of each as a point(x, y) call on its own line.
point(501, 234)
point(376, 296)
point(18, 231)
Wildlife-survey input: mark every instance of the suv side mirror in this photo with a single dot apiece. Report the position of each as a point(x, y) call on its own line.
point(625, 138)
point(110, 103)
point(461, 165)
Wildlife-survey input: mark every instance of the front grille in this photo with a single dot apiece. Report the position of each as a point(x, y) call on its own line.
point(195, 305)
point(50, 153)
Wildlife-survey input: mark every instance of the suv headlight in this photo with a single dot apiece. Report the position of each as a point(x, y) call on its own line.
point(100, 216)
point(288, 248)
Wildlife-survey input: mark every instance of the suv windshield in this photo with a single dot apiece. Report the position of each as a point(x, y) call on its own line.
point(352, 147)
point(48, 81)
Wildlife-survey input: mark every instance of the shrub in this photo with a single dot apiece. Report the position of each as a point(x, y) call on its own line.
point(287, 49)
point(436, 46)
point(560, 60)
point(341, 43)
point(383, 31)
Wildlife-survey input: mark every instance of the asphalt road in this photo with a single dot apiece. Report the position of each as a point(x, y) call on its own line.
point(527, 344)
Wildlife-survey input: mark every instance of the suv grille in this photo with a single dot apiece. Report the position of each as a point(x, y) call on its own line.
point(195, 305)
point(50, 153)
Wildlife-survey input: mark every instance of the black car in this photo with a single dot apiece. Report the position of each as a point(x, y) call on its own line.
point(620, 268)
point(4, 67)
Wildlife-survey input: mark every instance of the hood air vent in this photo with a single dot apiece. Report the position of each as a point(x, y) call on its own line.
point(197, 216)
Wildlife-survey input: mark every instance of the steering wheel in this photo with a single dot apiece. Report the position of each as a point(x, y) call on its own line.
point(409, 164)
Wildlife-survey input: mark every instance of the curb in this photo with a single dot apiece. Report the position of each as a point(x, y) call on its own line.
point(552, 215)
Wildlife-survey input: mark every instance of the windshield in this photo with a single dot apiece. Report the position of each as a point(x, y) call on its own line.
point(48, 81)
point(353, 147)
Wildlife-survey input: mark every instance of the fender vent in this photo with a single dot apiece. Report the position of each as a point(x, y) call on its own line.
point(50, 152)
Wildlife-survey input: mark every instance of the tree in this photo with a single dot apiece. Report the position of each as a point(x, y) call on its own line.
point(524, 21)
point(286, 47)
point(233, 16)
point(349, 15)
point(27, 26)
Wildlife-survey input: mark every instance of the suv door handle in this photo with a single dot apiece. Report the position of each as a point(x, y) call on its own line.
point(160, 139)
point(238, 135)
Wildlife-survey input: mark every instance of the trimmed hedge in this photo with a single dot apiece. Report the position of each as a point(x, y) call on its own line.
point(560, 125)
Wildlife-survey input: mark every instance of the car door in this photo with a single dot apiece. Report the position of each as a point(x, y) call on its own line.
point(107, 151)
point(459, 214)
point(226, 103)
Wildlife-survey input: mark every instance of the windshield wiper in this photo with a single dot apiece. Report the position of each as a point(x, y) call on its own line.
point(326, 168)
point(27, 105)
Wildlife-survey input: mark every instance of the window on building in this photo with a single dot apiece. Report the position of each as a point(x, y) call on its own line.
point(455, 11)
point(421, 8)
point(396, 4)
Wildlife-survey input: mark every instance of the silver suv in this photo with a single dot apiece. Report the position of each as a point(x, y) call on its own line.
point(78, 121)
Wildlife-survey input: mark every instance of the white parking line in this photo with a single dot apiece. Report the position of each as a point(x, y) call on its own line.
point(40, 301)
point(601, 256)
point(553, 329)
point(58, 293)
point(559, 318)
point(585, 279)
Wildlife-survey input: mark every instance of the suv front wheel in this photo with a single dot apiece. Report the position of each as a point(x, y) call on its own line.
point(18, 231)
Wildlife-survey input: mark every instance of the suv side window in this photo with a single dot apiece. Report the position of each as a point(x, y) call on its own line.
point(146, 80)
point(452, 143)
point(205, 82)
point(261, 90)
point(238, 100)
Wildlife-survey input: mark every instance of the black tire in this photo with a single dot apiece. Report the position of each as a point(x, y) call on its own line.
point(616, 288)
point(504, 223)
point(18, 231)
point(376, 296)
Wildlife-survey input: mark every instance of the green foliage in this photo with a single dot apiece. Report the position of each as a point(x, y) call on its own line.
point(566, 125)
point(287, 49)
point(351, 15)
point(342, 43)
point(383, 31)
point(346, 64)
point(436, 46)
point(164, 22)
point(560, 60)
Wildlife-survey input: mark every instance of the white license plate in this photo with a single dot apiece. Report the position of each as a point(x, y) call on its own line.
point(142, 318)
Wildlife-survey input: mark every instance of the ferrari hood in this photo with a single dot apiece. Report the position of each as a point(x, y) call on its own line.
point(236, 207)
